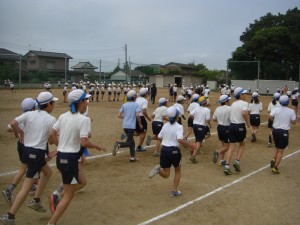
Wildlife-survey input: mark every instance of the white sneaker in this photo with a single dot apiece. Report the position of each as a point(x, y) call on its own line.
point(116, 148)
point(148, 140)
point(154, 171)
point(37, 206)
point(5, 220)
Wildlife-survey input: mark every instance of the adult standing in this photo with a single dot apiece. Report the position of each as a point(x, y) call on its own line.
point(153, 93)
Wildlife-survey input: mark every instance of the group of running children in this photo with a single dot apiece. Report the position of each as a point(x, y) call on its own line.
point(72, 130)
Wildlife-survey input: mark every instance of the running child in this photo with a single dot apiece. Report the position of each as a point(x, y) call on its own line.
point(255, 108)
point(170, 137)
point(282, 117)
point(73, 130)
point(272, 105)
point(194, 104)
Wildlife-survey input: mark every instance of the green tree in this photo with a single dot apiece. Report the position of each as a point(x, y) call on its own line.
point(274, 40)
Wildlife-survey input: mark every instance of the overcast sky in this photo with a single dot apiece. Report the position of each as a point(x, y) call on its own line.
point(155, 31)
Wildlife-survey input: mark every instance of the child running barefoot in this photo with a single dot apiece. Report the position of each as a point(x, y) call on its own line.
point(170, 136)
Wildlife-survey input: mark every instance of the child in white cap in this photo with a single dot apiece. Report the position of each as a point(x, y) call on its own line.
point(27, 105)
point(222, 116)
point(35, 152)
point(170, 136)
point(73, 130)
point(129, 112)
point(143, 103)
point(282, 117)
point(158, 116)
point(194, 104)
point(272, 105)
point(255, 108)
point(237, 129)
point(179, 105)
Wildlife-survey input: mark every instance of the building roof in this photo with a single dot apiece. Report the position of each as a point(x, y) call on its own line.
point(181, 65)
point(84, 65)
point(50, 54)
point(8, 55)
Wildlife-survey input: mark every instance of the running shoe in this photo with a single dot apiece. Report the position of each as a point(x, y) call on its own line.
point(275, 170)
point(272, 163)
point(7, 195)
point(269, 144)
point(133, 159)
point(116, 148)
point(53, 202)
point(194, 159)
point(175, 193)
point(33, 189)
point(227, 171)
point(148, 140)
point(123, 136)
point(237, 167)
point(155, 154)
point(37, 206)
point(141, 149)
point(216, 156)
point(154, 171)
point(5, 220)
point(222, 162)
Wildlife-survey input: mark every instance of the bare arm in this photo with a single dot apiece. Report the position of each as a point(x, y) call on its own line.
point(120, 115)
point(15, 128)
point(53, 137)
point(139, 119)
point(245, 116)
point(84, 142)
point(144, 111)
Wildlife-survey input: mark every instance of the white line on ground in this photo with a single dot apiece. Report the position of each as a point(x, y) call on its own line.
point(211, 193)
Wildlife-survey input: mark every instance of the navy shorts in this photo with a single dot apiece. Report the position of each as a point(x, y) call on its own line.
point(144, 124)
point(170, 156)
point(237, 133)
point(223, 132)
point(109, 93)
point(255, 120)
point(35, 160)
point(207, 130)
point(199, 132)
point(190, 122)
point(295, 102)
point(156, 127)
point(281, 138)
point(270, 124)
point(20, 147)
point(67, 164)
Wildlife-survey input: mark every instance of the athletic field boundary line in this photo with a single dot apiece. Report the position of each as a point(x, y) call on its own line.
point(94, 157)
point(211, 193)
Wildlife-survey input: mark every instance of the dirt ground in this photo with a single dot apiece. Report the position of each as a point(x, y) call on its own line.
point(119, 192)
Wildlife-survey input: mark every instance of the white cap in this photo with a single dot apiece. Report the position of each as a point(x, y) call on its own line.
point(284, 100)
point(162, 100)
point(180, 98)
point(195, 96)
point(45, 97)
point(172, 111)
point(276, 95)
point(131, 94)
point(238, 91)
point(254, 94)
point(76, 95)
point(224, 98)
point(143, 91)
point(28, 104)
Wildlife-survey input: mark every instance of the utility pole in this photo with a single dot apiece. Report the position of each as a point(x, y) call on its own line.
point(100, 71)
point(65, 69)
point(126, 61)
point(20, 72)
point(129, 70)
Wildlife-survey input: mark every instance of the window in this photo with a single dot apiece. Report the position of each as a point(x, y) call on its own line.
point(32, 62)
point(50, 65)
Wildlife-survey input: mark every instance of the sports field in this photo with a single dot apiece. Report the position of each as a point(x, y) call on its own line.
point(120, 192)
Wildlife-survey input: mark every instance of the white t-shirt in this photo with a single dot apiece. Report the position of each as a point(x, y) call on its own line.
point(192, 106)
point(237, 108)
point(206, 92)
point(71, 127)
point(283, 117)
point(143, 103)
point(170, 133)
point(159, 113)
point(255, 108)
point(271, 107)
point(174, 89)
point(222, 115)
point(201, 115)
point(180, 109)
point(37, 125)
